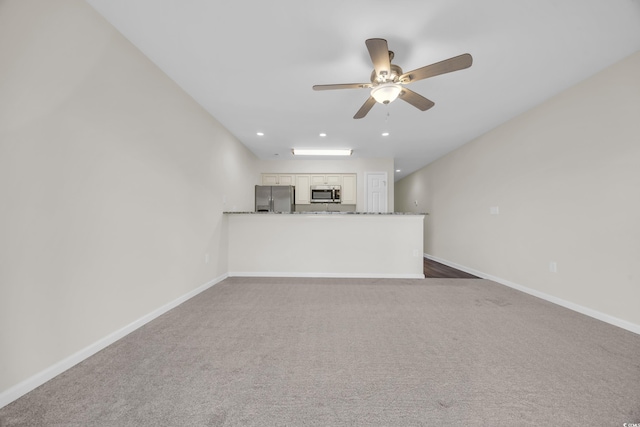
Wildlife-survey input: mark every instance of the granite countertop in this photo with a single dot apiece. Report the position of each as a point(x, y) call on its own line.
point(328, 213)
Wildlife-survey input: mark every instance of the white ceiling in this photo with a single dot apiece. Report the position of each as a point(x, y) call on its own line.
point(251, 64)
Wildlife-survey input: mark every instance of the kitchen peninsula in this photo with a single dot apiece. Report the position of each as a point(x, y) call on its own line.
point(326, 244)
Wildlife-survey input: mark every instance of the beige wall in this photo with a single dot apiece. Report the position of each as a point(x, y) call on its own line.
point(357, 166)
point(112, 182)
point(326, 245)
point(566, 179)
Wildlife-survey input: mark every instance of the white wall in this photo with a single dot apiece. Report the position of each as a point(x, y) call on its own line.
point(325, 245)
point(566, 179)
point(357, 166)
point(112, 182)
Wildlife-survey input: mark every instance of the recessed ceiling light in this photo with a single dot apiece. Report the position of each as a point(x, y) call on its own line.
point(260, 133)
point(323, 134)
point(398, 170)
point(385, 133)
point(315, 152)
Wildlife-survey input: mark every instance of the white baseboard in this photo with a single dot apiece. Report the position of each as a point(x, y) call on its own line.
point(329, 275)
point(42, 377)
point(632, 327)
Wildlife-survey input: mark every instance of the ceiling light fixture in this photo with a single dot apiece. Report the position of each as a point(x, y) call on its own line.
point(323, 134)
point(386, 92)
point(385, 133)
point(313, 152)
point(260, 133)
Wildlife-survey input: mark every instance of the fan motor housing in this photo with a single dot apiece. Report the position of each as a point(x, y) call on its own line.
point(393, 76)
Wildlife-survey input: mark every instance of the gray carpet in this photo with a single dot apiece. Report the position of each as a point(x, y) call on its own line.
point(351, 352)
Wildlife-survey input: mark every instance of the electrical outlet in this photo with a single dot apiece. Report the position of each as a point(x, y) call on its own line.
point(494, 210)
point(416, 202)
point(206, 258)
point(553, 267)
point(416, 253)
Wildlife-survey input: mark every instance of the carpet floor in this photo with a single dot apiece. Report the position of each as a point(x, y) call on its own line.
point(352, 352)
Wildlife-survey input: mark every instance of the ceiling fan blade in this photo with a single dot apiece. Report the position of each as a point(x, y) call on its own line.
point(342, 86)
point(368, 104)
point(379, 52)
point(418, 101)
point(448, 65)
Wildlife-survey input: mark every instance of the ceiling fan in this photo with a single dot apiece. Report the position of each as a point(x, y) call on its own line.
point(388, 80)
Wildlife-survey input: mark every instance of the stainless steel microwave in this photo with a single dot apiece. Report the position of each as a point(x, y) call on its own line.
point(325, 194)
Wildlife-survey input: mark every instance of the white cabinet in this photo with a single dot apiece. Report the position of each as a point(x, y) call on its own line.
point(333, 179)
point(303, 183)
point(303, 192)
point(278, 179)
point(348, 190)
point(269, 179)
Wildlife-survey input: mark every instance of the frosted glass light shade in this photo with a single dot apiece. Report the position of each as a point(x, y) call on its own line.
point(386, 92)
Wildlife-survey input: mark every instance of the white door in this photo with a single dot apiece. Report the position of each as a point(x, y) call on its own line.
point(376, 191)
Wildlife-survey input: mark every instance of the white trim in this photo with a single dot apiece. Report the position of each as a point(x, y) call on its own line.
point(56, 369)
point(328, 275)
point(624, 324)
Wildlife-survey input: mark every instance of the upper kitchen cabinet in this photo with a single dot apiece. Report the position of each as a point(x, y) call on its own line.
point(333, 179)
point(348, 190)
point(278, 179)
point(304, 182)
point(303, 189)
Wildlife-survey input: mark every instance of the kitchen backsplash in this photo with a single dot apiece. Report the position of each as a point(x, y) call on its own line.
point(326, 207)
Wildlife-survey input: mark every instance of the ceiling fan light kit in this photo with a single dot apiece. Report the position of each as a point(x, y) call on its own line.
point(386, 92)
point(387, 79)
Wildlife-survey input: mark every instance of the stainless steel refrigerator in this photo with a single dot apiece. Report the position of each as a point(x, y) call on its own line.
point(275, 198)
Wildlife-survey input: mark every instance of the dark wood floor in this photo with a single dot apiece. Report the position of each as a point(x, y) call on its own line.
point(437, 270)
